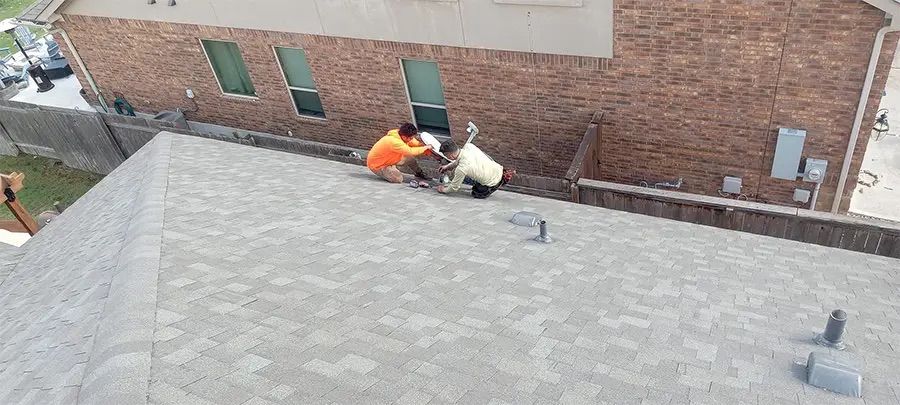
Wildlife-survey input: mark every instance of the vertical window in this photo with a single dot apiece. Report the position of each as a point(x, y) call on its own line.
point(300, 81)
point(228, 65)
point(426, 96)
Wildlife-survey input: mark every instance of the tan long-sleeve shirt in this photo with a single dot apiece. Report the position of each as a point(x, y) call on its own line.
point(476, 165)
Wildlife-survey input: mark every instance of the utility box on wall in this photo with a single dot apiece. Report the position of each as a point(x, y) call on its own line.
point(788, 151)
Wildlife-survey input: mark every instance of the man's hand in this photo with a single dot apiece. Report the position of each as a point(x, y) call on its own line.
point(444, 168)
point(442, 189)
point(429, 147)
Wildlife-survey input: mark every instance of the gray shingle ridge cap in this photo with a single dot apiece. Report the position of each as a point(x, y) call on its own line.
point(118, 370)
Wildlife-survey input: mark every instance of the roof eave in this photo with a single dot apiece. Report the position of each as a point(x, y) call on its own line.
point(47, 15)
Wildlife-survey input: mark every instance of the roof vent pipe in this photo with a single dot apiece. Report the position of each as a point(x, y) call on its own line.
point(544, 236)
point(833, 336)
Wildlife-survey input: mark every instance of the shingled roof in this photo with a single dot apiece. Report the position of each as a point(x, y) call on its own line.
point(42, 11)
point(201, 271)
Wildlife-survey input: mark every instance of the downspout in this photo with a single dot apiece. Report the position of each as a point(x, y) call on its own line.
point(87, 73)
point(894, 26)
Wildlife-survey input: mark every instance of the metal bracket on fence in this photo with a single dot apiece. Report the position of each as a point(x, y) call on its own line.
point(10, 195)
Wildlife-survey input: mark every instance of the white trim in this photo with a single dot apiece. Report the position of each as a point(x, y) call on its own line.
point(255, 95)
point(239, 96)
point(412, 104)
point(306, 89)
point(412, 113)
point(289, 87)
point(426, 105)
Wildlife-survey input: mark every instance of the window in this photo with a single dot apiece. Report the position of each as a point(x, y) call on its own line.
point(426, 96)
point(300, 82)
point(228, 65)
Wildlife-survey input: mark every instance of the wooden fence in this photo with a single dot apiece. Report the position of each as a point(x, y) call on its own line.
point(100, 142)
point(78, 138)
point(861, 235)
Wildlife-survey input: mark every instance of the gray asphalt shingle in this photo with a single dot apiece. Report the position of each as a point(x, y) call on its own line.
point(286, 279)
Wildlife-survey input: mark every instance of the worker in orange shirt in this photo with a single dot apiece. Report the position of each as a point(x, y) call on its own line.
point(399, 148)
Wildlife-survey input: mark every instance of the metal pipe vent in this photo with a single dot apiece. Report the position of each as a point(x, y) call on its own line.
point(833, 335)
point(544, 236)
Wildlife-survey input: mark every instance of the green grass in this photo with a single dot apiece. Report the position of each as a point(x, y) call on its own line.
point(46, 181)
point(10, 9)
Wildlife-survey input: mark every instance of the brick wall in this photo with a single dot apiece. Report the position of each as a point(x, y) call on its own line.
point(697, 89)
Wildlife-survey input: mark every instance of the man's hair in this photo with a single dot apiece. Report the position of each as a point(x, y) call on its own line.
point(449, 146)
point(408, 129)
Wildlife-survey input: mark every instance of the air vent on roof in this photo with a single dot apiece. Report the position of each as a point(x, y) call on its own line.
point(525, 218)
point(837, 372)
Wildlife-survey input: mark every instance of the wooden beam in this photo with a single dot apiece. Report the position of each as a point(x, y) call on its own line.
point(9, 185)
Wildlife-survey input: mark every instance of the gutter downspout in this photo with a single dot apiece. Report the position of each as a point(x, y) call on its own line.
point(861, 111)
point(87, 73)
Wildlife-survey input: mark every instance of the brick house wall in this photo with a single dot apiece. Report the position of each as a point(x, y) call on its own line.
point(696, 89)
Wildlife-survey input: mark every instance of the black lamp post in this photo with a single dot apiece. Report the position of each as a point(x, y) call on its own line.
point(36, 71)
point(882, 126)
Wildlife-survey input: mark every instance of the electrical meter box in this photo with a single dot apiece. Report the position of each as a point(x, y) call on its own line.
point(788, 151)
point(815, 170)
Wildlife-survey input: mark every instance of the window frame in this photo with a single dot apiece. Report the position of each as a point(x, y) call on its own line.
point(412, 103)
point(295, 88)
point(212, 68)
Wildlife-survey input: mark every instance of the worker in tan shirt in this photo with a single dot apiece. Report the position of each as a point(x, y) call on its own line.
point(470, 162)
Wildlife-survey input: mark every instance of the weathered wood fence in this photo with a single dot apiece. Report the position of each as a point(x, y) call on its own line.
point(85, 140)
point(100, 142)
point(839, 231)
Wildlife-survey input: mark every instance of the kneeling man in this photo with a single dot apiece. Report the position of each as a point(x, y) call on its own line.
point(399, 148)
point(470, 162)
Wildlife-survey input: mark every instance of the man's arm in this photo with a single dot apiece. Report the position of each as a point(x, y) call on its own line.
point(458, 177)
point(449, 166)
point(399, 146)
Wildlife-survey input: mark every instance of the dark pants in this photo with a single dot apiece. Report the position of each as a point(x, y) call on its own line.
point(481, 191)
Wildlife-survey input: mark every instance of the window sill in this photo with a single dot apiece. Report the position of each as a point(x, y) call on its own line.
point(240, 97)
point(312, 118)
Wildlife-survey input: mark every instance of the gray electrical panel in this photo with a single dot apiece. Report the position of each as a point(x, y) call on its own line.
point(787, 153)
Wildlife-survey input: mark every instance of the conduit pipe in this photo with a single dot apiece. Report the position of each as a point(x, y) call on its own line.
point(87, 73)
point(894, 26)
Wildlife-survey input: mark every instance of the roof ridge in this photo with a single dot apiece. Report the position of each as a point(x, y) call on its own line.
point(118, 370)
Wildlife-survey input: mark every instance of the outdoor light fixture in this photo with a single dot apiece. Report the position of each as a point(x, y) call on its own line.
point(882, 126)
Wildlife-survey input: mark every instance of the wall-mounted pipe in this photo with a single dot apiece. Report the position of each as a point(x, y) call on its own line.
point(861, 112)
point(87, 73)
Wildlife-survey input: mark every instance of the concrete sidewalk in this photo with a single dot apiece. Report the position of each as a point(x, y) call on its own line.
point(878, 192)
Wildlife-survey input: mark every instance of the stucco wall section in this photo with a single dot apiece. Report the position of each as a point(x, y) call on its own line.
point(582, 28)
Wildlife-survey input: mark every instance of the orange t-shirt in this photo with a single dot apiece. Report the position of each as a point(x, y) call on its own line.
point(390, 149)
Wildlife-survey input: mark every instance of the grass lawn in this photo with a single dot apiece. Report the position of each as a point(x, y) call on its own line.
point(46, 181)
point(10, 9)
